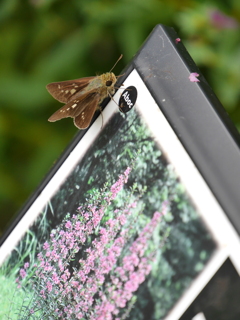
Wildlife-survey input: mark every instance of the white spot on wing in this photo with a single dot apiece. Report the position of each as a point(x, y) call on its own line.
point(74, 105)
point(73, 91)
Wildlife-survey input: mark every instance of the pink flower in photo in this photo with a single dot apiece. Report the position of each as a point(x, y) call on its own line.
point(22, 273)
point(49, 286)
point(46, 246)
point(95, 261)
point(118, 185)
point(177, 40)
point(193, 77)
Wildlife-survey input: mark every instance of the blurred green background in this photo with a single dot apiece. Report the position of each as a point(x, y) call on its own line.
point(42, 41)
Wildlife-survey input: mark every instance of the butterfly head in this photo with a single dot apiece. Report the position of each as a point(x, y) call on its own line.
point(108, 81)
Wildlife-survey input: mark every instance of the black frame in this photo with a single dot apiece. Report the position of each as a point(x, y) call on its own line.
point(195, 114)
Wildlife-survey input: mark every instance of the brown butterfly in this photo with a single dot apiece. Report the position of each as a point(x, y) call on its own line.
point(82, 97)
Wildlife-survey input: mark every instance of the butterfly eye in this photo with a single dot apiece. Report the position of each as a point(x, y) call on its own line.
point(108, 83)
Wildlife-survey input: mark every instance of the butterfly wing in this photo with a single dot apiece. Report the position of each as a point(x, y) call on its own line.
point(83, 120)
point(75, 107)
point(65, 91)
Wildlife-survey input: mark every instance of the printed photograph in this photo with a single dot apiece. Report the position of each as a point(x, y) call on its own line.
point(120, 239)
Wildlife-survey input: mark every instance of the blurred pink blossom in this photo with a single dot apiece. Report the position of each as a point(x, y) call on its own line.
point(222, 21)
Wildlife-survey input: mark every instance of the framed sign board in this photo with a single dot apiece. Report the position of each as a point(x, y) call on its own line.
point(139, 218)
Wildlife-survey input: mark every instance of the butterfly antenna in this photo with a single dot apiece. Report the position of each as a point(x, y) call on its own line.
point(117, 62)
